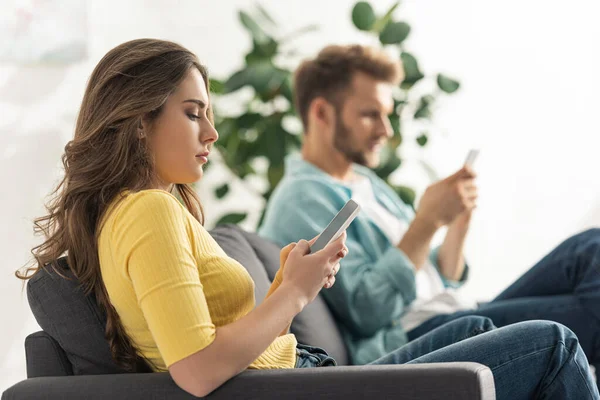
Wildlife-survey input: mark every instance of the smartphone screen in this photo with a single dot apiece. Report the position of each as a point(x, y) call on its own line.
point(337, 225)
point(471, 157)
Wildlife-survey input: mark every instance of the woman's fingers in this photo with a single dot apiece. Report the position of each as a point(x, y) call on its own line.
point(330, 282)
point(336, 268)
point(313, 240)
point(334, 249)
point(343, 252)
point(285, 252)
point(331, 277)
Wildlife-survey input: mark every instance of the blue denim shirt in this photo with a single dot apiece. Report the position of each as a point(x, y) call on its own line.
point(376, 281)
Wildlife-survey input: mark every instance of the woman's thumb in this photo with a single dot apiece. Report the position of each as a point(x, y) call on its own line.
point(302, 248)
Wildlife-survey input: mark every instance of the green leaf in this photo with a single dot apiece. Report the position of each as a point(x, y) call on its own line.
point(389, 163)
point(262, 52)
point(424, 108)
point(422, 140)
point(394, 33)
point(448, 85)
point(264, 77)
point(255, 30)
point(383, 21)
point(265, 15)
point(242, 170)
point(216, 86)
point(298, 32)
point(275, 137)
point(286, 90)
point(248, 120)
point(221, 191)
point(412, 73)
point(237, 81)
point(423, 112)
point(363, 16)
point(274, 174)
point(226, 127)
point(396, 139)
point(233, 218)
point(406, 194)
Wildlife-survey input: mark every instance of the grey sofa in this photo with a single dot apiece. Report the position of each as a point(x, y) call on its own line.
point(70, 359)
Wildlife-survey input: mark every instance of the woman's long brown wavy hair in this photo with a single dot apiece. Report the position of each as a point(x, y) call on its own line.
point(105, 157)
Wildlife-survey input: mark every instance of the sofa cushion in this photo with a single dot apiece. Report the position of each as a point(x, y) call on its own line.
point(73, 319)
point(315, 325)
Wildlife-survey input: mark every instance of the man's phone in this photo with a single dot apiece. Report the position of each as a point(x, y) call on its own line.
point(337, 225)
point(471, 157)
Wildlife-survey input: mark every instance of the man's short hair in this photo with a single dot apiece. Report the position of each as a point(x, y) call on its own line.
point(330, 74)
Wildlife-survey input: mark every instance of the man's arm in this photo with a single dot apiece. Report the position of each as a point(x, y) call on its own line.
point(451, 260)
point(370, 291)
point(416, 242)
point(447, 202)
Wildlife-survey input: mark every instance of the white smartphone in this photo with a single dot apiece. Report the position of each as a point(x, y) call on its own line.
point(471, 157)
point(337, 225)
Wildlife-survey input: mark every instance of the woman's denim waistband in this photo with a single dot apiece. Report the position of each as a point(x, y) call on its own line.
point(310, 356)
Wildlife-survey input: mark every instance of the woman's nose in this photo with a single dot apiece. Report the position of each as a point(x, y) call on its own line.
point(210, 134)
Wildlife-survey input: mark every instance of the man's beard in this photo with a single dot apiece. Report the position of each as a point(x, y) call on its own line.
point(342, 141)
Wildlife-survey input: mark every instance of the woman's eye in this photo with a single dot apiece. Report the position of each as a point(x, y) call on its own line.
point(193, 117)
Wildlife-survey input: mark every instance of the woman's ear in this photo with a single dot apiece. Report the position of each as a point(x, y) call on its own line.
point(143, 127)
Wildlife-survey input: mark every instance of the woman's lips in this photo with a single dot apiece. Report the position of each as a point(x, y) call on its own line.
point(203, 157)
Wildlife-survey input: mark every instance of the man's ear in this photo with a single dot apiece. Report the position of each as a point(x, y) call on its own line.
point(322, 114)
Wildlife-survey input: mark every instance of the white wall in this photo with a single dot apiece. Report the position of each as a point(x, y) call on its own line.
point(529, 100)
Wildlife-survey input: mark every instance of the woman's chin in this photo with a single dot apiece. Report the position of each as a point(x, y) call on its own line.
point(199, 173)
point(191, 178)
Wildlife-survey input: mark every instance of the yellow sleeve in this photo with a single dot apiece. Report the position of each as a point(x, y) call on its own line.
point(152, 237)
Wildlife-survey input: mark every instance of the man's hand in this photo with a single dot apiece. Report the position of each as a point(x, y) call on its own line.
point(450, 198)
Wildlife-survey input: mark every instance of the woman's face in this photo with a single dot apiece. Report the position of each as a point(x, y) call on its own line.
point(181, 137)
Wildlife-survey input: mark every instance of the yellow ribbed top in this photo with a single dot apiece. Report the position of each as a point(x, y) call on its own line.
point(172, 284)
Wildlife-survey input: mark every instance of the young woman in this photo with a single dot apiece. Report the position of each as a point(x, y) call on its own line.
point(173, 298)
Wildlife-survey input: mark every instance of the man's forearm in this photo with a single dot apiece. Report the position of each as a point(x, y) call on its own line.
point(450, 257)
point(416, 242)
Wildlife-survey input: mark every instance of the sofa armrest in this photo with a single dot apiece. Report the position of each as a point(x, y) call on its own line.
point(45, 357)
point(446, 381)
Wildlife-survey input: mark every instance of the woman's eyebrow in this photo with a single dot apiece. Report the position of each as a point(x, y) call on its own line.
point(199, 102)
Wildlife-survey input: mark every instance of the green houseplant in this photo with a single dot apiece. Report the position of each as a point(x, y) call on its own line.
point(263, 130)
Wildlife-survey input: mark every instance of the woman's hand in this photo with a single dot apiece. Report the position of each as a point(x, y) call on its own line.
point(285, 252)
point(308, 273)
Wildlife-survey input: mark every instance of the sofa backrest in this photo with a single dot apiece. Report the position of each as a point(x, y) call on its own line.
point(75, 321)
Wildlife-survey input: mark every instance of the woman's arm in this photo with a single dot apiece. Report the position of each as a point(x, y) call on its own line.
point(238, 344)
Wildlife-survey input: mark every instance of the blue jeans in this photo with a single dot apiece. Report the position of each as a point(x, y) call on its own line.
point(529, 360)
point(310, 356)
point(563, 287)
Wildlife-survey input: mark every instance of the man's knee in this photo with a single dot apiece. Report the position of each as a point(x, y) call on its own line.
point(477, 322)
point(592, 234)
point(556, 331)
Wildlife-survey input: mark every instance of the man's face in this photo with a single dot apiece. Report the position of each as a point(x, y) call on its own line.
point(362, 125)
